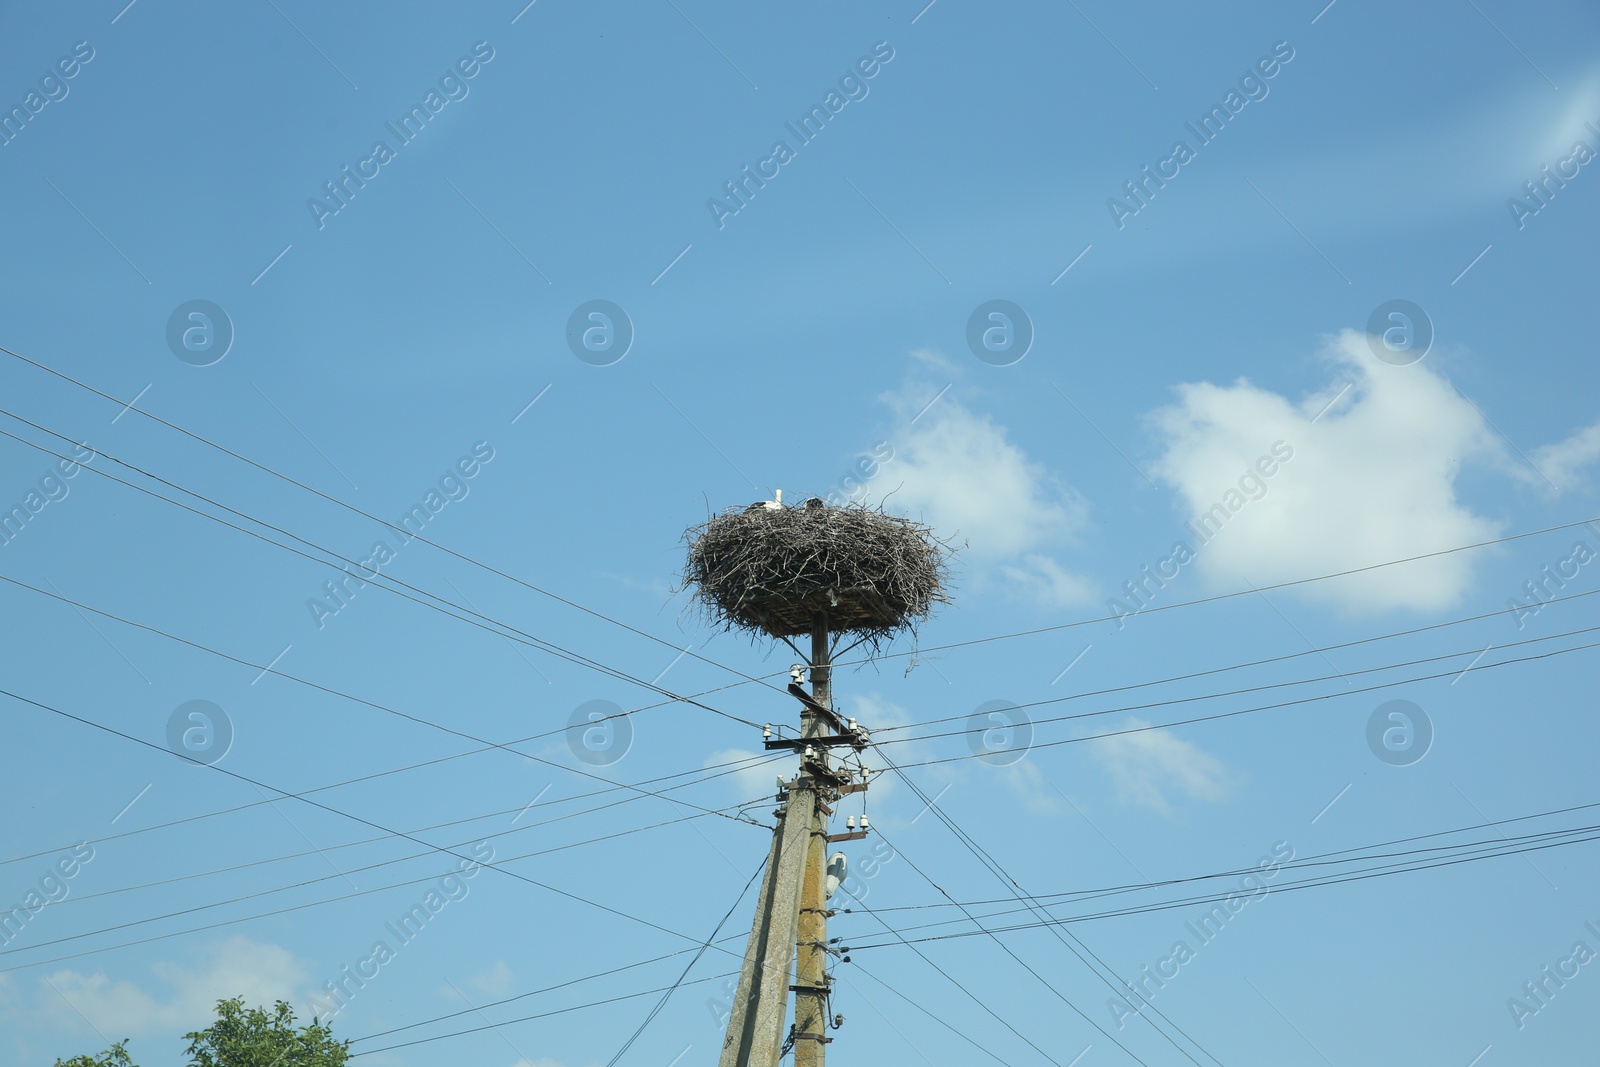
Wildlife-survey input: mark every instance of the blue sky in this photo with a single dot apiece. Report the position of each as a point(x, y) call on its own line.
point(1349, 323)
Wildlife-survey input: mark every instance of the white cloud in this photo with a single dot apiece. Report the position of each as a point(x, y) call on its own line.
point(959, 471)
point(496, 981)
point(1054, 586)
point(1150, 765)
point(1564, 462)
point(181, 998)
point(1027, 781)
point(753, 781)
point(1370, 476)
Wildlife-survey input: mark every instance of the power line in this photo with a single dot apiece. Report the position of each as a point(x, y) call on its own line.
point(1316, 859)
point(128, 406)
point(1407, 861)
point(953, 981)
point(1231, 692)
point(359, 700)
point(1007, 950)
point(1264, 707)
point(1228, 596)
point(81, 897)
point(530, 1018)
point(747, 678)
point(735, 765)
point(879, 732)
point(487, 623)
point(1076, 947)
point(348, 815)
point(539, 642)
point(932, 1015)
point(667, 994)
point(531, 993)
point(758, 760)
point(1484, 851)
point(284, 911)
point(342, 874)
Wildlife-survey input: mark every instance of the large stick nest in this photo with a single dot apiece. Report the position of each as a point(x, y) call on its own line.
point(774, 570)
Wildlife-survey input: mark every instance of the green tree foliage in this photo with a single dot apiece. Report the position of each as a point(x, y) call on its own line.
point(115, 1056)
point(245, 1037)
point(253, 1037)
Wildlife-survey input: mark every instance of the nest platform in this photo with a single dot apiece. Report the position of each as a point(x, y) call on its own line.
point(774, 570)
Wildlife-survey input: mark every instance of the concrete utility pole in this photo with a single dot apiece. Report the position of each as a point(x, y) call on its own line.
point(811, 977)
point(792, 911)
point(786, 573)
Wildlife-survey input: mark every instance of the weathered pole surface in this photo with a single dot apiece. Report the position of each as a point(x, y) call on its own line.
point(811, 965)
point(760, 1006)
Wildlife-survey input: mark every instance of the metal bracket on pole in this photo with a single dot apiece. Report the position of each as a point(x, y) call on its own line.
point(815, 708)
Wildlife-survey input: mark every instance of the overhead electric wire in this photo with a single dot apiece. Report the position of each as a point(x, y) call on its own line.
point(597, 792)
point(531, 993)
point(1075, 946)
point(389, 583)
point(955, 982)
point(345, 814)
point(959, 644)
point(530, 1018)
point(1464, 852)
point(1224, 693)
point(880, 731)
point(192, 909)
point(752, 761)
point(78, 898)
point(1419, 859)
point(539, 642)
point(1008, 951)
point(747, 678)
point(124, 405)
point(1383, 871)
point(359, 700)
point(1302, 861)
point(523, 740)
point(1235, 594)
point(1138, 707)
point(932, 1015)
point(352, 871)
point(733, 765)
point(129, 406)
point(1264, 707)
point(667, 994)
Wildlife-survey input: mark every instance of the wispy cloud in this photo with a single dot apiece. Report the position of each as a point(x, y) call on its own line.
point(1154, 768)
point(181, 997)
point(960, 471)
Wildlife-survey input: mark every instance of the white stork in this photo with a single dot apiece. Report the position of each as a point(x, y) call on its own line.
point(770, 505)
